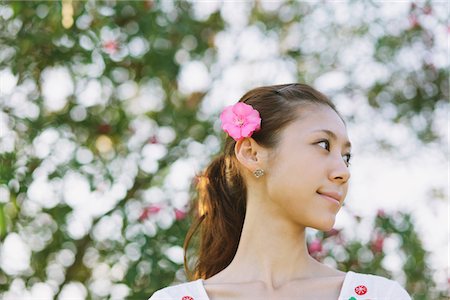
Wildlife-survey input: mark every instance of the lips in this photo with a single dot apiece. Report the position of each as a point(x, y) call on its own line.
point(335, 195)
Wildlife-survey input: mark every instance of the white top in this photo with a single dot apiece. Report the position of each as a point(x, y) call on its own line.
point(356, 286)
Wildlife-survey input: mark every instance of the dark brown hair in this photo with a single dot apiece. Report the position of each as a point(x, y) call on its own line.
point(220, 206)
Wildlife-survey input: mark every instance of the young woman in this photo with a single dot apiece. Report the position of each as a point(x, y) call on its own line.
point(285, 167)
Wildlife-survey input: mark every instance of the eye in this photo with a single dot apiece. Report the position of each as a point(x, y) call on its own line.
point(349, 156)
point(326, 142)
point(327, 147)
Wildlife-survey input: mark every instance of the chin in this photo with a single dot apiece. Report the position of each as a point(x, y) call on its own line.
point(326, 225)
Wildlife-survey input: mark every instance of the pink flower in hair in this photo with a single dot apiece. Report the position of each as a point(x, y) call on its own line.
point(240, 120)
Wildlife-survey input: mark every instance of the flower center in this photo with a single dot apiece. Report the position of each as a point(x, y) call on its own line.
point(239, 122)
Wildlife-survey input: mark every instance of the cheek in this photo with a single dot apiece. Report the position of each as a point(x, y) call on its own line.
point(290, 180)
point(346, 186)
point(297, 168)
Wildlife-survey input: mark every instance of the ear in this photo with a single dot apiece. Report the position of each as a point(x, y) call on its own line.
point(251, 155)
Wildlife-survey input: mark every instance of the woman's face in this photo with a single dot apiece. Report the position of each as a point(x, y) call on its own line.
point(307, 162)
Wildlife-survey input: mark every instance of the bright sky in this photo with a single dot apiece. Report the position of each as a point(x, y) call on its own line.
point(390, 181)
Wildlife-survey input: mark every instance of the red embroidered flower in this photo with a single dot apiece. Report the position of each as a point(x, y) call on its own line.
point(361, 289)
point(187, 298)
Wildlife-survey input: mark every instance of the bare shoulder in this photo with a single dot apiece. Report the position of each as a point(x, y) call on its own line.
point(327, 271)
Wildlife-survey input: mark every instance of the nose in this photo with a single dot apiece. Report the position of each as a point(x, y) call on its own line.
point(339, 169)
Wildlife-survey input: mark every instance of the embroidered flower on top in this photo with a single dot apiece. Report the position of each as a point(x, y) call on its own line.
point(187, 298)
point(361, 289)
point(240, 120)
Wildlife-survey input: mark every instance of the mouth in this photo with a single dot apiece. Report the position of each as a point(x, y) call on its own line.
point(330, 197)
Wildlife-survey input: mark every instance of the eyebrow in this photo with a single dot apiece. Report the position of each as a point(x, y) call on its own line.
point(334, 136)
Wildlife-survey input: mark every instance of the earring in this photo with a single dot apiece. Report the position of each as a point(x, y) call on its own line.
point(258, 173)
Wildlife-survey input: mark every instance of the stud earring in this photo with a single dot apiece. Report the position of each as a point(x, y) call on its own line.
point(258, 173)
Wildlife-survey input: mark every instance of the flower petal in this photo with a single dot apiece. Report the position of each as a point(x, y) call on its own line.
point(254, 114)
point(242, 109)
point(247, 130)
point(254, 120)
point(235, 132)
point(227, 115)
point(227, 127)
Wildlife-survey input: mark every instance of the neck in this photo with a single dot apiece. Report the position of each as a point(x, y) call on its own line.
point(271, 250)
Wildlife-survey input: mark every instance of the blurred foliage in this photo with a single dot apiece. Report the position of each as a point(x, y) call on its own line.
point(142, 45)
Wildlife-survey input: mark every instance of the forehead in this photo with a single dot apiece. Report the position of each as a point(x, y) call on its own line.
point(313, 119)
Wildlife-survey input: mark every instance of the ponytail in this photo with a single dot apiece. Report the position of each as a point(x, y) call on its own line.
point(220, 206)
